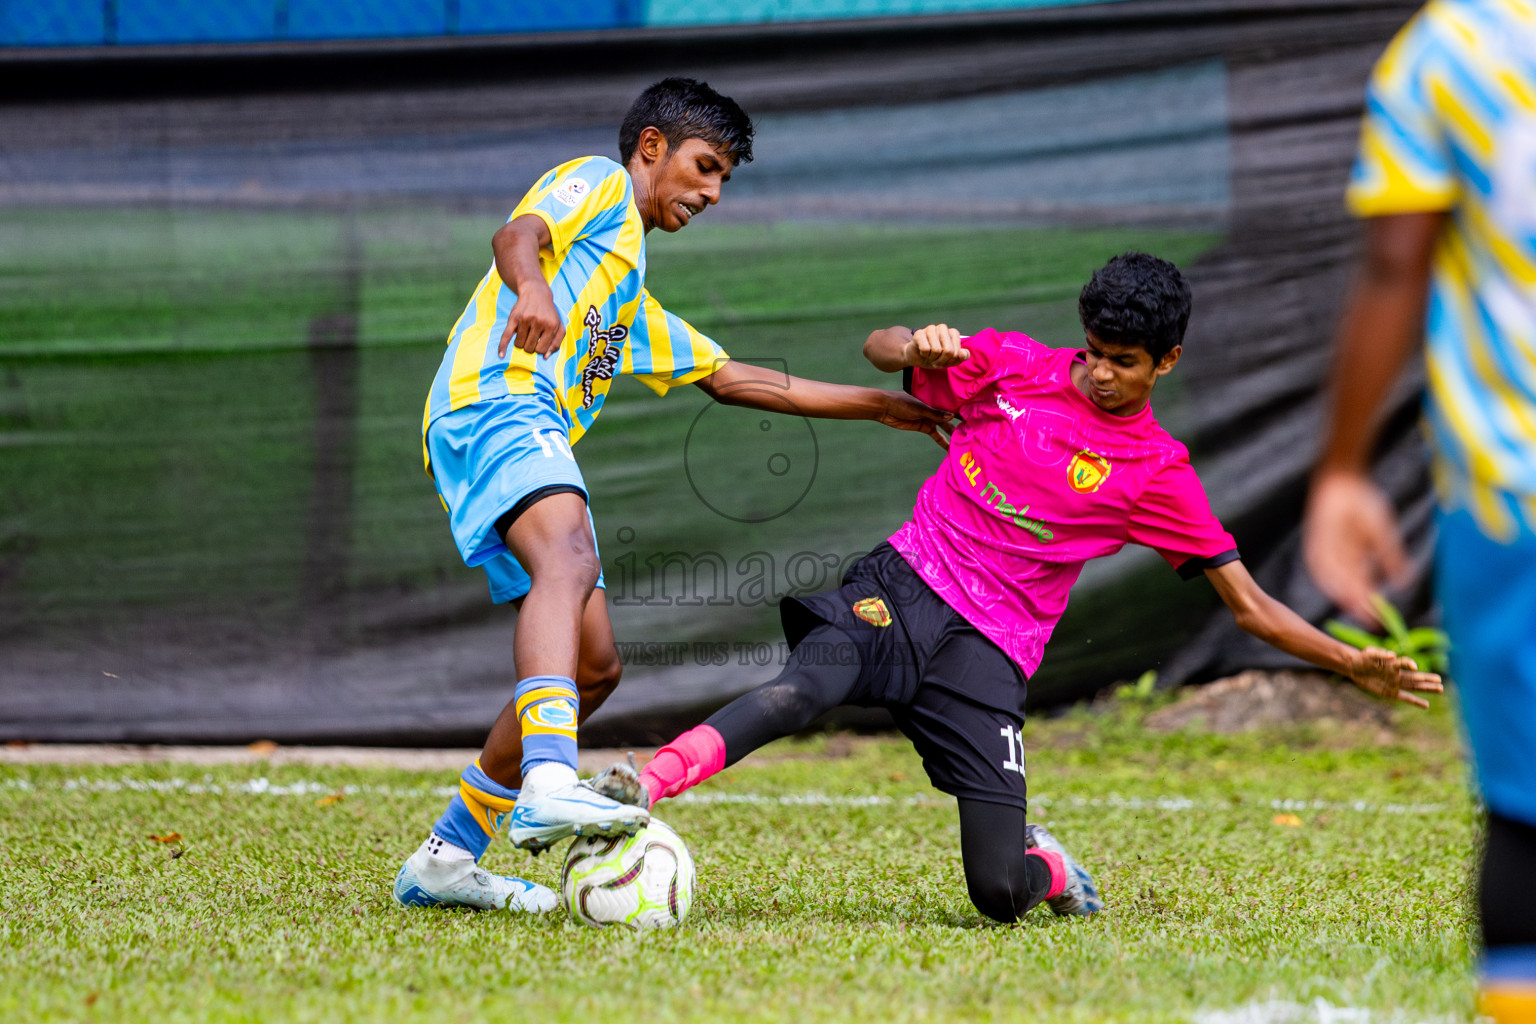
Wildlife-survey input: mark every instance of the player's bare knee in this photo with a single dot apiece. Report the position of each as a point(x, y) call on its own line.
point(587, 573)
point(584, 564)
point(600, 673)
point(575, 576)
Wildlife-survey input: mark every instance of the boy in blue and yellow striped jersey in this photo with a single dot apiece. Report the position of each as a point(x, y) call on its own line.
point(561, 311)
point(1446, 176)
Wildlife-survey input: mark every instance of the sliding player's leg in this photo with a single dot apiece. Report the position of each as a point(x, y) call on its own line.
point(1010, 866)
point(847, 647)
point(966, 722)
point(1004, 877)
point(820, 676)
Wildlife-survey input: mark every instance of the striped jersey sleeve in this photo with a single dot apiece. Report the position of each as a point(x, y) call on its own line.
point(577, 200)
point(664, 350)
point(1405, 164)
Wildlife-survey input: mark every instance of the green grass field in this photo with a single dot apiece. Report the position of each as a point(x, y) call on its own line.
point(1296, 867)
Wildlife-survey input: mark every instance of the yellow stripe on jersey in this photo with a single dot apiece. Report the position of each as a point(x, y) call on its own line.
point(1386, 184)
point(668, 351)
point(1520, 262)
point(1522, 90)
point(1471, 134)
point(662, 360)
point(464, 383)
point(614, 190)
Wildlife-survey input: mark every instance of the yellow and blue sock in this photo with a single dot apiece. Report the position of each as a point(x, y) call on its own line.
point(546, 709)
point(476, 812)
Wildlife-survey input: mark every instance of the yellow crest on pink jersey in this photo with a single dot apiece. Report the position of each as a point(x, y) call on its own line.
point(1087, 472)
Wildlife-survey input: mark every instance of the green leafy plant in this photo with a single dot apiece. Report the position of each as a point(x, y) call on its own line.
point(1427, 646)
point(1142, 690)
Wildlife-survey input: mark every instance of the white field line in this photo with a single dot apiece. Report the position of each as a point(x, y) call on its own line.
point(262, 786)
point(1318, 1011)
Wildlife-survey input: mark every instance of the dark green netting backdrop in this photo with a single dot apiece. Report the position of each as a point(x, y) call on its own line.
point(226, 277)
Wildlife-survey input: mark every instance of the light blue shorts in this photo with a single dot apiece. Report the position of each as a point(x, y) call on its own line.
point(488, 458)
point(1487, 594)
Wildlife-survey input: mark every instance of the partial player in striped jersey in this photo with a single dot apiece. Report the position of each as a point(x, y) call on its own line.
point(1446, 179)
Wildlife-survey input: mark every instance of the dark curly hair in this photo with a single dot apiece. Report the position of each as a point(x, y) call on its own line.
point(1137, 299)
point(682, 108)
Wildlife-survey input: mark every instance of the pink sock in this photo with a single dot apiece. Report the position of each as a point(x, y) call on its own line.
point(1058, 871)
point(684, 763)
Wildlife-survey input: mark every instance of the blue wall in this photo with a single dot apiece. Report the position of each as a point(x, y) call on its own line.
point(137, 22)
point(134, 22)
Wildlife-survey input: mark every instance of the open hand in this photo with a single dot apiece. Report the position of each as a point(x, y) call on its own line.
point(1351, 543)
point(935, 346)
point(1393, 677)
point(904, 412)
point(534, 322)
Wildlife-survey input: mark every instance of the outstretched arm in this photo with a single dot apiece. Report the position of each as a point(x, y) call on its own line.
point(1374, 670)
point(757, 388)
point(1350, 538)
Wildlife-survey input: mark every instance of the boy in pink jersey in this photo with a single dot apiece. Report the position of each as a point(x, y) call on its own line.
point(1058, 460)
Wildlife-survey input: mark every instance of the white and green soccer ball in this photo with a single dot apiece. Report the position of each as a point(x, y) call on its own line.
point(641, 881)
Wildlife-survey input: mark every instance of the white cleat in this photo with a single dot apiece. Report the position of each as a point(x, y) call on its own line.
point(555, 805)
point(428, 881)
point(1081, 896)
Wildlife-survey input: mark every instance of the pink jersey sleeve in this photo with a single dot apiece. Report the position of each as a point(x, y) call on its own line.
point(1174, 518)
point(951, 387)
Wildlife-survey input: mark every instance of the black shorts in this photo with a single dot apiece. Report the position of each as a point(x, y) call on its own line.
point(954, 693)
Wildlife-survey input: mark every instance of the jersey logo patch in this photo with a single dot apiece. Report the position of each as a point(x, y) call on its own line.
point(873, 611)
point(571, 191)
point(1087, 472)
point(604, 349)
point(1013, 411)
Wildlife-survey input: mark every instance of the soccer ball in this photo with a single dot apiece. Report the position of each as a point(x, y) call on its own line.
point(641, 881)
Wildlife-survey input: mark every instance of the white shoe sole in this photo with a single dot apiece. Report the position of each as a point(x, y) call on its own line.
point(538, 838)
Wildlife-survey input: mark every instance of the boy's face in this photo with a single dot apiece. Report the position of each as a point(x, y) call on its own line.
point(683, 181)
point(1120, 377)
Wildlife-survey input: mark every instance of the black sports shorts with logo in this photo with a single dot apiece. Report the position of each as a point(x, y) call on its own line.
point(952, 691)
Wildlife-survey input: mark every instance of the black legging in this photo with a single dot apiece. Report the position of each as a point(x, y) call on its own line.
point(1507, 893)
point(1002, 881)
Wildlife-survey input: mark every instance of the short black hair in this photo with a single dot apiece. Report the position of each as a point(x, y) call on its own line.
point(1137, 299)
point(682, 108)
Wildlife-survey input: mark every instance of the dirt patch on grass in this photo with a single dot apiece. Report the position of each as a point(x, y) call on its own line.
point(1258, 700)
